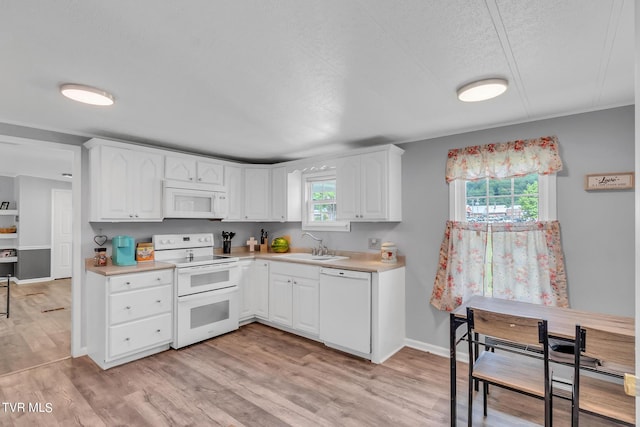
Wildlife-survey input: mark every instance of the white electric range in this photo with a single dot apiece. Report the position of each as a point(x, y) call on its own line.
point(206, 302)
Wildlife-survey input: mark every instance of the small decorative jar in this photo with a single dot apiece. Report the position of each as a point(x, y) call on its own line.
point(389, 252)
point(100, 257)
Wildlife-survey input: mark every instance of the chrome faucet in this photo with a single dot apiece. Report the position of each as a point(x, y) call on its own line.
point(321, 249)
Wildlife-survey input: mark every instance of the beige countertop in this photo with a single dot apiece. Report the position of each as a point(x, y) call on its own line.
point(110, 269)
point(357, 261)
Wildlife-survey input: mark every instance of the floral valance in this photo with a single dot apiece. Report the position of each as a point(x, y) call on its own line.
point(504, 160)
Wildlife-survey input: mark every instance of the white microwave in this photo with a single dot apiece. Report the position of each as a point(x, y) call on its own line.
point(192, 200)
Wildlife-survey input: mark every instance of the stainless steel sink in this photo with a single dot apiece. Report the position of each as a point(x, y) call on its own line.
point(301, 256)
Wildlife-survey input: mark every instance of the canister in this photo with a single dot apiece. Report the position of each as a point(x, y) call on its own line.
point(389, 252)
point(100, 257)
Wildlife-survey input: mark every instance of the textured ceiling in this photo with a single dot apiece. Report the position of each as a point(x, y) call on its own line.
point(266, 80)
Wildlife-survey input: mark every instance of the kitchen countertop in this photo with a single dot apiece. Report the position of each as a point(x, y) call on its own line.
point(358, 261)
point(110, 269)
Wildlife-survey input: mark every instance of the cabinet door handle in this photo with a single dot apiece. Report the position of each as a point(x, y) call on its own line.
point(127, 339)
point(158, 301)
point(158, 330)
point(136, 215)
point(127, 283)
point(199, 179)
point(159, 278)
point(130, 215)
point(128, 307)
point(190, 178)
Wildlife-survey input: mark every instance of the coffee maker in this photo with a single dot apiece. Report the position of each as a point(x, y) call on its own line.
point(124, 250)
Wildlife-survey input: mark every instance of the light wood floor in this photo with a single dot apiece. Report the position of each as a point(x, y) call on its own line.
point(38, 329)
point(259, 376)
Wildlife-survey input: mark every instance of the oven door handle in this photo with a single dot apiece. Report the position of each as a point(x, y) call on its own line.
point(208, 294)
point(208, 268)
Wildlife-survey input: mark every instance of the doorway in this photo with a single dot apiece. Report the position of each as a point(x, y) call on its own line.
point(66, 254)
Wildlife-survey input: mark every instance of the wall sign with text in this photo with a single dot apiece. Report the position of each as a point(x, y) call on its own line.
point(609, 181)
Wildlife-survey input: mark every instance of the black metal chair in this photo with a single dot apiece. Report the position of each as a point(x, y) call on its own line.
point(518, 372)
point(598, 396)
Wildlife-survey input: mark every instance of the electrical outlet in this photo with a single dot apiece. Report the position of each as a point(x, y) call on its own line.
point(374, 243)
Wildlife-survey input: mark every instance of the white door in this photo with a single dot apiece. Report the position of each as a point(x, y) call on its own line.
point(61, 233)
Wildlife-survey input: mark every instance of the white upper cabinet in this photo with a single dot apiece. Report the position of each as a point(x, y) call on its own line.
point(190, 169)
point(248, 193)
point(233, 177)
point(286, 195)
point(126, 183)
point(368, 186)
point(257, 193)
point(209, 173)
point(180, 169)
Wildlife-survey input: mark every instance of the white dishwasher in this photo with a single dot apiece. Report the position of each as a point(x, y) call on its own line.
point(345, 310)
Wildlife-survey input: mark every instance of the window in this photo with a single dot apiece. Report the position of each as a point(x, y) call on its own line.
point(320, 207)
point(322, 201)
point(522, 199)
point(502, 200)
point(503, 239)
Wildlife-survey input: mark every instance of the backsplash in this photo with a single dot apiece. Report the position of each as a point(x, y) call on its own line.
point(356, 240)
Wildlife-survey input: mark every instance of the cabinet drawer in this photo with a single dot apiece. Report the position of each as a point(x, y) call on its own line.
point(297, 270)
point(128, 282)
point(128, 306)
point(138, 335)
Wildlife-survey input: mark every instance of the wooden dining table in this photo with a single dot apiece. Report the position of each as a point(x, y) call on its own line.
point(561, 323)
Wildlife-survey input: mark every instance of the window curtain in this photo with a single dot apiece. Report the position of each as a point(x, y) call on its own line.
point(461, 268)
point(504, 160)
point(527, 264)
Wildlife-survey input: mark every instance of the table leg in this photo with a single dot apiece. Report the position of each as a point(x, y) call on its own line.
point(452, 369)
point(454, 324)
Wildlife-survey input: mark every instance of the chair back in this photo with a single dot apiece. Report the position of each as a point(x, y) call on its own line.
point(608, 347)
point(519, 329)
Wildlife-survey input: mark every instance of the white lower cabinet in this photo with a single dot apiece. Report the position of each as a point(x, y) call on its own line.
point(260, 280)
point(129, 316)
point(254, 289)
point(293, 296)
point(281, 297)
point(305, 305)
point(247, 309)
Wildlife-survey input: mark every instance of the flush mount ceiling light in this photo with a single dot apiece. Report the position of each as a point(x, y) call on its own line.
point(87, 94)
point(482, 90)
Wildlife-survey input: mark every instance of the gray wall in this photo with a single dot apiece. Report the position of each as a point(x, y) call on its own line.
point(7, 190)
point(33, 264)
point(34, 202)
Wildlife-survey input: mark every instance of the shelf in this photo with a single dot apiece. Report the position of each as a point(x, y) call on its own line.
point(8, 235)
point(8, 259)
point(9, 212)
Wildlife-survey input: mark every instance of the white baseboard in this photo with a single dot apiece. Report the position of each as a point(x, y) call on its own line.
point(28, 281)
point(434, 349)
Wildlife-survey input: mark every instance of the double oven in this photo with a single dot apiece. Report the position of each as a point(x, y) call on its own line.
point(206, 302)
